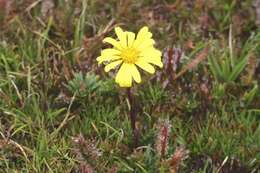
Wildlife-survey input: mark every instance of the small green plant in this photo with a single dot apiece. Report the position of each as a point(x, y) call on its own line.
point(229, 66)
point(250, 95)
point(84, 86)
point(153, 95)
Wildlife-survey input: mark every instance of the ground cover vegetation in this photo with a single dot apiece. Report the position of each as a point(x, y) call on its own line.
point(61, 112)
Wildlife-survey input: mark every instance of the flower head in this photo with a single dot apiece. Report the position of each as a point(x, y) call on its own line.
point(129, 52)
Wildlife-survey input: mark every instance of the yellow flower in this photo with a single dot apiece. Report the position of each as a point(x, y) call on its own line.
point(130, 51)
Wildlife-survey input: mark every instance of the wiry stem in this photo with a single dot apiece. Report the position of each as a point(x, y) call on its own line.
point(133, 116)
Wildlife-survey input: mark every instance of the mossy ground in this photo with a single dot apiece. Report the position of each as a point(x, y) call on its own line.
point(60, 112)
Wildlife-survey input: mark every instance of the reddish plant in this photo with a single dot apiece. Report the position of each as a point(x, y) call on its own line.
point(163, 138)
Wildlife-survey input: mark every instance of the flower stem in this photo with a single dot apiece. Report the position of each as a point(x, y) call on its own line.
point(133, 116)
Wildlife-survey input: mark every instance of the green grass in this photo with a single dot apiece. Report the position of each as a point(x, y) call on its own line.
point(60, 112)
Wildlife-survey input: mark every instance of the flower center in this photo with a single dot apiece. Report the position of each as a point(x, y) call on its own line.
point(129, 55)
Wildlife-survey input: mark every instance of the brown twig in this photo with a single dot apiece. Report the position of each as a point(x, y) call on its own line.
point(194, 62)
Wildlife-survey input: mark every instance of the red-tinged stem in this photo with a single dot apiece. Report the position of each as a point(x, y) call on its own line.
point(133, 116)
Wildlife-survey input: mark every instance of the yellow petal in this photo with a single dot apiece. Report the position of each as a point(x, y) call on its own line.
point(108, 55)
point(152, 52)
point(144, 44)
point(112, 65)
point(145, 66)
point(123, 77)
point(151, 60)
point(101, 59)
point(110, 52)
point(121, 36)
point(130, 38)
point(153, 56)
point(143, 36)
point(135, 73)
point(112, 41)
point(144, 33)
